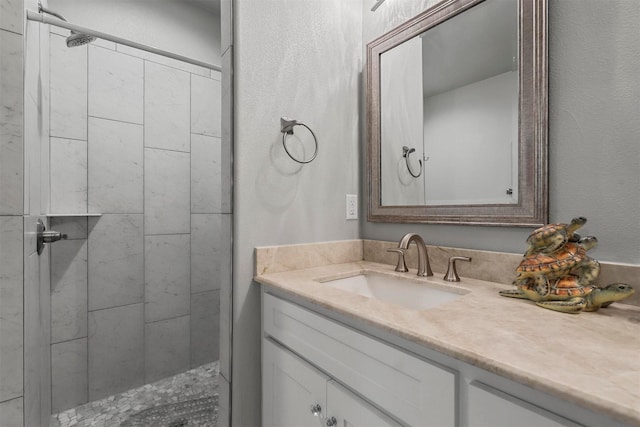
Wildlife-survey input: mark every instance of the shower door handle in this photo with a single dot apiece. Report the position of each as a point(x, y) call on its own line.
point(46, 236)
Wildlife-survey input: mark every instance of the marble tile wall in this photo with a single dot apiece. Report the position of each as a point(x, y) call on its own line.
point(12, 48)
point(116, 350)
point(167, 272)
point(68, 175)
point(115, 163)
point(136, 291)
point(116, 261)
point(68, 107)
point(70, 374)
point(11, 108)
point(11, 314)
point(167, 349)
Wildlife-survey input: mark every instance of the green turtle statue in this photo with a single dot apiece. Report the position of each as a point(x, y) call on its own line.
point(557, 274)
point(551, 237)
point(568, 296)
point(572, 257)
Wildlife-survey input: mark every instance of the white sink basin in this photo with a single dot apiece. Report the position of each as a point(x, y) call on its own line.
point(416, 294)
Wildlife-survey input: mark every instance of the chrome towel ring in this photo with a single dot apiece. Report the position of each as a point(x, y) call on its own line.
point(406, 151)
point(286, 127)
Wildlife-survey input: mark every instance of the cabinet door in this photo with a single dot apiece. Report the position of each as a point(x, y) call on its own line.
point(351, 411)
point(411, 389)
point(489, 407)
point(290, 388)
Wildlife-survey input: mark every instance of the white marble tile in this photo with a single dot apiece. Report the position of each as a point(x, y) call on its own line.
point(68, 290)
point(11, 413)
point(210, 252)
point(73, 227)
point(68, 86)
point(115, 167)
point(166, 348)
point(116, 86)
point(206, 106)
point(44, 118)
point(226, 301)
point(116, 261)
point(116, 350)
point(36, 137)
point(167, 272)
point(37, 338)
point(206, 169)
point(11, 15)
point(69, 380)
point(68, 169)
point(166, 192)
point(166, 108)
point(11, 313)
point(11, 121)
point(205, 327)
point(226, 201)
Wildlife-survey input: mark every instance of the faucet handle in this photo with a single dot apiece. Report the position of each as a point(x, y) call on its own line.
point(401, 266)
point(451, 274)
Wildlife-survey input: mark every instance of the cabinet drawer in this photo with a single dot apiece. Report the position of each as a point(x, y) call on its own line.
point(489, 407)
point(415, 391)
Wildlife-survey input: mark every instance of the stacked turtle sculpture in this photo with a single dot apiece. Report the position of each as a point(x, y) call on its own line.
point(556, 272)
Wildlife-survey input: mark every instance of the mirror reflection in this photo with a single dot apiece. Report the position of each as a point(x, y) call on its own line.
point(449, 112)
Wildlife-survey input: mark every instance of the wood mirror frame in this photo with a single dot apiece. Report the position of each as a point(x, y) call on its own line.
point(531, 210)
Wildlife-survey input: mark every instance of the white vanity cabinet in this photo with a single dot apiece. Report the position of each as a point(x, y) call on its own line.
point(295, 394)
point(368, 382)
point(310, 359)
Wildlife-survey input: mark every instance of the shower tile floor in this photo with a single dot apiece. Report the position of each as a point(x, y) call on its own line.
point(195, 385)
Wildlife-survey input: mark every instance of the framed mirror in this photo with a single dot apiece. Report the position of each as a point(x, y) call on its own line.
point(457, 116)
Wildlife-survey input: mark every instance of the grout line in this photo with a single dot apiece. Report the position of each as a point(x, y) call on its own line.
point(113, 120)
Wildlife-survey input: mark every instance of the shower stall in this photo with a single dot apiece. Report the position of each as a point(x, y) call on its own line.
point(124, 157)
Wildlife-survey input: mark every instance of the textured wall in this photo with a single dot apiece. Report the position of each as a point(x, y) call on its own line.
point(299, 59)
point(594, 154)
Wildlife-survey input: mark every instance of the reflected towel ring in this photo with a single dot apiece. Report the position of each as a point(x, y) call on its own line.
point(405, 153)
point(286, 127)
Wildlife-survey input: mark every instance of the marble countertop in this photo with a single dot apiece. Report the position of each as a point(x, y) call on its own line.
point(591, 359)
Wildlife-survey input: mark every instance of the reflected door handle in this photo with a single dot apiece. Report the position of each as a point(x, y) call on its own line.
point(46, 236)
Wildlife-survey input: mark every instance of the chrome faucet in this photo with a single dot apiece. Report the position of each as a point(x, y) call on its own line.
point(424, 269)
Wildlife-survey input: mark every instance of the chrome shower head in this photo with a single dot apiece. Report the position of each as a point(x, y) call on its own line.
point(75, 39)
point(79, 39)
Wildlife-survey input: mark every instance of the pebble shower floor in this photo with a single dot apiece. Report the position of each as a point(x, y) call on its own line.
point(189, 399)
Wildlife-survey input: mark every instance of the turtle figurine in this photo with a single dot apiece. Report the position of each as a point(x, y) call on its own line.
point(568, 296)
point(543, 268)
point(552, 237)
